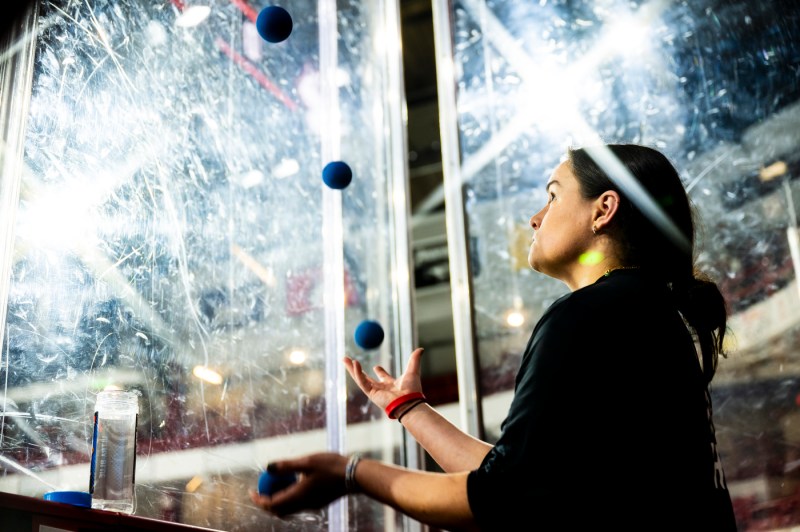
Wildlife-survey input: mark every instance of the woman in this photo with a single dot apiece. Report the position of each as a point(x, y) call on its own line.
point(611, 418)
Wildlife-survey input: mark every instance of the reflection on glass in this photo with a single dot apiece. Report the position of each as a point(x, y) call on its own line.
point(714, 86)
point(169, 239)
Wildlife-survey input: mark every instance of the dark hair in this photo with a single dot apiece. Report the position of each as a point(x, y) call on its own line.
point(643, 244)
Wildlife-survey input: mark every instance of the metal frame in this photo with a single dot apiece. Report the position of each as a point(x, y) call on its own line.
point(457, 229)
point(16, 78)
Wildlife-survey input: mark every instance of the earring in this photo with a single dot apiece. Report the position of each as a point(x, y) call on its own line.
point(594, 230)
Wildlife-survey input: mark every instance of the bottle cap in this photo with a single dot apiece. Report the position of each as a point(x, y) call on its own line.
point(76, 498)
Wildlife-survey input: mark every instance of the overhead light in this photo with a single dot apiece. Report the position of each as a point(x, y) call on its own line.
point(156, 33)
point(193, 16)
point(286, 168)
point(776, 169)
point(298, 357)
point(264, 273)
point(193, 484)
point(248, 179)
point(207, 374)
point(515, 318)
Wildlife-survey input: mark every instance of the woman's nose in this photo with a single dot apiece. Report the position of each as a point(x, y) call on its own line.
point(536, 219)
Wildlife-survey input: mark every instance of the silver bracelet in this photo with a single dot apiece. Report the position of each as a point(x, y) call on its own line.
point(350, 484)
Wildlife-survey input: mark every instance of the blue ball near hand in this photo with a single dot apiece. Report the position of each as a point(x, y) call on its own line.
point(369, 334)
point(274, 24)
point(272, 483)
point(337, 175)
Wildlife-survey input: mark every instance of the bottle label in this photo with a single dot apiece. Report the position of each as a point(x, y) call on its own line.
point(94, 456)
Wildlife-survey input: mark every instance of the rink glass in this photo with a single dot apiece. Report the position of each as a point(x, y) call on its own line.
point(167, 230)
point(712, 84)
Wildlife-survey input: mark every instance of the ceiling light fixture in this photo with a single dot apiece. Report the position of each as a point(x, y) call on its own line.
point(193, 16)
point(207, 374)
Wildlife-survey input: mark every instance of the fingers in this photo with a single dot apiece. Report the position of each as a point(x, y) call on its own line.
point(412, 368)
point(349, 365)
point(284, 467)
point(361, 378)
point(262, 501)
point(322, 481)
point(285, 502)
point(281, 503)
point(288, 499)
point(414, 362)
point(382, 373)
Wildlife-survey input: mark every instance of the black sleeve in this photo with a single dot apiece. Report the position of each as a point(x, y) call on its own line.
point(609, 423)
point(518, 476)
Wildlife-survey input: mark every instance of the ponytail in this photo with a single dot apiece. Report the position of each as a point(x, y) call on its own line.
point(703, 308)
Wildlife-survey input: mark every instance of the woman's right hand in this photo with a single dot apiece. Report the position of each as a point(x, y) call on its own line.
point(386, 388)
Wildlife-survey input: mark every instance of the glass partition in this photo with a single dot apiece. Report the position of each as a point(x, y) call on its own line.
point(169, 232)
point(712, 84)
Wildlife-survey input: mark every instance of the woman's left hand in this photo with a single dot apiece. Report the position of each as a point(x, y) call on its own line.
point(386, 388)
point(321, 481)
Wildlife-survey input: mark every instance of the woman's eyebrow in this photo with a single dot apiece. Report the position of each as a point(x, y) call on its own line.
point(551, 183)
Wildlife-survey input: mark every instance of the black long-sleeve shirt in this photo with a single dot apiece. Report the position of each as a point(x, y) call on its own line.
point(610, 425)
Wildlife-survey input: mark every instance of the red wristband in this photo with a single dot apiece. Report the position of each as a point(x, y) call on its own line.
point(400, 401)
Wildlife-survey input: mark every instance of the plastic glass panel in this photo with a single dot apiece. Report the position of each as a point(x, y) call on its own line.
point(714, 85)
point(170, 238)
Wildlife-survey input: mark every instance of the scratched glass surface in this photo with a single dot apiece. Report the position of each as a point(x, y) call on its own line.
point(169, 239)
point(714, 85)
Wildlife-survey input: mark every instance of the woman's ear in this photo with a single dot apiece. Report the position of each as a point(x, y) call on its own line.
point(606, 206)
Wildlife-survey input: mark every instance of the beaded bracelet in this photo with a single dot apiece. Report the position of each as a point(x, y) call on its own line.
point(400, 401)
point(350, 484)
point(409, 409)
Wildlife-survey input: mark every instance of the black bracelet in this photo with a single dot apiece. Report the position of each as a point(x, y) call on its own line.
point(410, 408)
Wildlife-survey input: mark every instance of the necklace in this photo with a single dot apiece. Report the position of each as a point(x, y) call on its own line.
point(608, 271)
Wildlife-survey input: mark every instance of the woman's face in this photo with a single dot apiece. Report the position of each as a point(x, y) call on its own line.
point(563, 228)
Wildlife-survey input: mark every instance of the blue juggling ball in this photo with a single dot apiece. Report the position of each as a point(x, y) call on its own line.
point(369, 334)
point(274, 24)
point(337, 175)
point(272, 483)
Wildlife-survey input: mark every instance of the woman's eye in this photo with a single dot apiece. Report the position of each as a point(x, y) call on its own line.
point(552, 197)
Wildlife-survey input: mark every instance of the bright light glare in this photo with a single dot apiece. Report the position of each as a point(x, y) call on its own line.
point(298, 357)
point(206, 374)
point(60, 221)
point(193, 16)
point(551, 102)
point(342, 77)
point(627, 36)
point(515, 318)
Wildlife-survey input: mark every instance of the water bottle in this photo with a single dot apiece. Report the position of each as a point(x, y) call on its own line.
point(113, 466)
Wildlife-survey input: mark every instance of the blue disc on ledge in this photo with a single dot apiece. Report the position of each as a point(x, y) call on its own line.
point(75, 498)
